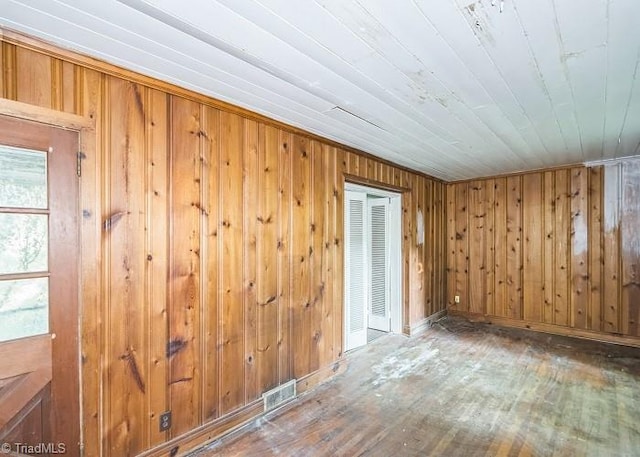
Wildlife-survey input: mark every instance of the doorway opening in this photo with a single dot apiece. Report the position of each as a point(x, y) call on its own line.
point(373, 264)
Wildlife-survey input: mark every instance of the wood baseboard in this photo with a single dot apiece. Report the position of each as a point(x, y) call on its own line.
point(316, 378)
point(425, 324)
point(550, 328)
point(214, 430)
point(206, 433)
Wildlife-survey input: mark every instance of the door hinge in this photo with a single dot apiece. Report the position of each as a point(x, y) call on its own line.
point(79, 156)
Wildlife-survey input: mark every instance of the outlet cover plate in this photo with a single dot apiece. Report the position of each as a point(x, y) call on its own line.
point(165, 421)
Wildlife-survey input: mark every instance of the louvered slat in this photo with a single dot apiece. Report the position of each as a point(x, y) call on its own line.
point(357, 265)
point(378, 285)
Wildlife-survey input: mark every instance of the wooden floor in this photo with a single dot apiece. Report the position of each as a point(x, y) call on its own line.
point(461, 389)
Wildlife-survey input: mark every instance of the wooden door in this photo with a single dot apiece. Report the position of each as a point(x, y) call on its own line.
point(39, 351)
point(355, 270)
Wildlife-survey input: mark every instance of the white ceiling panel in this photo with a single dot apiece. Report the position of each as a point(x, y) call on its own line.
point(453, 88)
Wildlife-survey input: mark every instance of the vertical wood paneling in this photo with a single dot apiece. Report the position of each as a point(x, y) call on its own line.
point(489, 247)
point(451, 246)
point(630, 242)
point(397, 181)
point(267, 255)
point(125, 232)
point(596, 258)
point(514, 247)
point(462, 246)
point(338, 246)
point(91, 266)
point(210, 185)
point(410, 259)
point(252, 143)
point(232, 366)
point(317, 255)
point(428, 251)
point(327, 316)
point(57, 78)
point(611, 247)
point(353, 163)
point(549, 212)
point(500, 231)
point(579, 248)
point(34, 84)
point(334, 291)
point(431, 253)
point(184, 266)
point(430, 233)
point(476, 233)
point(417, 279)
point(285, 249)
point(69, 94)
point(301, 253)
point(157, 199)
point(562, 248)
point(439, 242)
point(532, 232)
point(370, 169)
point(9, 71)
point(564, 242)
point(3, 58)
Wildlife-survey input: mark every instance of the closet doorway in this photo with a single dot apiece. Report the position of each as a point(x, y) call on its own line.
point(373, 264)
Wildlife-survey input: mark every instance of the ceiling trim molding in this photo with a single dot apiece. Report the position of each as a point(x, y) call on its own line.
point(42, 46)
point(614, 161)
point(519, 173)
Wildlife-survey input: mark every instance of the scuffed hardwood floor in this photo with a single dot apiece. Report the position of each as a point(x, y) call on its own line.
point(461, 389)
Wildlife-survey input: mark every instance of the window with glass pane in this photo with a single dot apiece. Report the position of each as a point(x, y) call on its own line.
point(23, 178)
point(24, 243)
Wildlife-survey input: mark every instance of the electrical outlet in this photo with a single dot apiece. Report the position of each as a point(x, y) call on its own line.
point(165, 421)
point(456, 299)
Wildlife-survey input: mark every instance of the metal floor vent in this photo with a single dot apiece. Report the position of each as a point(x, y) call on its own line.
point(281, 394)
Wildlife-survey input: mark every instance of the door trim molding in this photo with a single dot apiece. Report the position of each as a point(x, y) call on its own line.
point(89, 237)
point(47, 116)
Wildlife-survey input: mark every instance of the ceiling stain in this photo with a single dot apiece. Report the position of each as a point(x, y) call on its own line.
point(479, 20)
point(564, 57)
point(443, 101)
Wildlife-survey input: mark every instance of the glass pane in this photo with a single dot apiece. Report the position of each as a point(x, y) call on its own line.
point(23, 243)
point(24, 308)
point(23, 178)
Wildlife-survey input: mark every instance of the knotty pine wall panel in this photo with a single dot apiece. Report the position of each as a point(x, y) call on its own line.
point(499, 249)
point(157, 261)
point(184, 275)
point(513, 277)
point(125, 256)
point(562, 249)
point(563, 244)
point(630, 246)
point(212, 250)
point(210, 257)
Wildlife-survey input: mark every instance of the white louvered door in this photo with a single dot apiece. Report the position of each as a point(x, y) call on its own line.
point(355, 270)
point(378, 268)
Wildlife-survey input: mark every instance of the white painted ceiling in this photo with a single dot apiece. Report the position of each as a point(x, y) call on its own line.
point(453, 88)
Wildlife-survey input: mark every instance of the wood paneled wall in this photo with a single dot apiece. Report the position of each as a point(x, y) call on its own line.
point(559, 248)
point(212, 253)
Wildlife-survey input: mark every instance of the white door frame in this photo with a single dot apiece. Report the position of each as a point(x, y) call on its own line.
point(395, 260)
